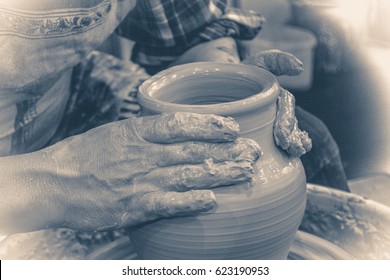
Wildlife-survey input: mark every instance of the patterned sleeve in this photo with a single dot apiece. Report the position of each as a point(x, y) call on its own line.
point(164, 29)
point(40, 43)
point(41, 38)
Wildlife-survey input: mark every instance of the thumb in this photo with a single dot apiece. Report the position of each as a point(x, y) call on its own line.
point(277, 62)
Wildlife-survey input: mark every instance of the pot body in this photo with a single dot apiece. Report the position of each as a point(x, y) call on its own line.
point(255, 220)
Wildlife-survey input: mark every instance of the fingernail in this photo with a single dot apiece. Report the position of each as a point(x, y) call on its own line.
point(227, 125)
point(205, 199)
point(246, 149)
point(299, 62)
point(239, 170)
point(229, 172)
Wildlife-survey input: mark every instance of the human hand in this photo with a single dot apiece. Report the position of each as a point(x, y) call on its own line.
point(277, 62)
point(141, 169)
point(287, 135)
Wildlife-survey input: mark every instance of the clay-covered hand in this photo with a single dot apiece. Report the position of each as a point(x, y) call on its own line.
point(277, 62)
point(140, 169)
point(287, 135)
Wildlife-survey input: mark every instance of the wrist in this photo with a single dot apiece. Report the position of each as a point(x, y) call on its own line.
point(31, 198)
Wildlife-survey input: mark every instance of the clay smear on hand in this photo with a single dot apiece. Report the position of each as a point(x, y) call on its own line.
point(286, 132)
point(182, 126)
point(277, 62)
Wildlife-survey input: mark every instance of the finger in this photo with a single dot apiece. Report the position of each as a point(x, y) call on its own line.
point(286, 101)
point(182, 127)
point(285, 118)
point(300, 143)
point(287, 134)
point(286, 107)
point(197, 152)
point(277, 62)
point(306, 141)
point(295, 148)
point(282, 132)
point(200, 176)
point(170, 204)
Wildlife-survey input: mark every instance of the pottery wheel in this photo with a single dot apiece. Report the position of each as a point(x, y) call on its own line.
point(305, 247)
point(336, 225)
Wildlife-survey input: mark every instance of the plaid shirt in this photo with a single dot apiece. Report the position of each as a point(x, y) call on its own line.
point(164, 29)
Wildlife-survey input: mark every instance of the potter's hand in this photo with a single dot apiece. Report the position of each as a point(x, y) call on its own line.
point(277, 62)
point(287, 135)
point(140, 169)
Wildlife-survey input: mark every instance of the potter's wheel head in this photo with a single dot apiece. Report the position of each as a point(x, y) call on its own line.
point(359, 225)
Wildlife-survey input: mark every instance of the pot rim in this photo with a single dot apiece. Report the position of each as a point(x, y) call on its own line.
point(268, 88)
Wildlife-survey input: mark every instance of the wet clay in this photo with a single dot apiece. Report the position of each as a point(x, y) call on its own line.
point(286, 132)
point(352, 222)
point(181, 126)
point(277, 62)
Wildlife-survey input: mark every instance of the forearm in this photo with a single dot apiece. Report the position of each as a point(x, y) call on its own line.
point(29, 199)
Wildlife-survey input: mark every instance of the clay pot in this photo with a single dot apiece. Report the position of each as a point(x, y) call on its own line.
point(257, 221)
